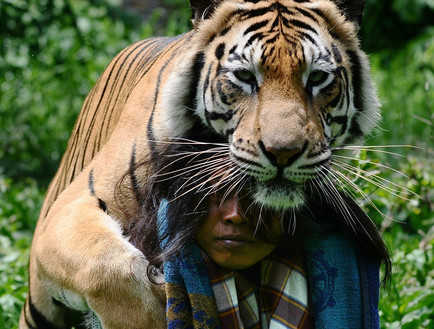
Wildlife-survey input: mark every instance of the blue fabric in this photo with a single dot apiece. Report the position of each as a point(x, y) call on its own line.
point(370, 283)
point(190, 300)
point(189, 270)
point(343, 284)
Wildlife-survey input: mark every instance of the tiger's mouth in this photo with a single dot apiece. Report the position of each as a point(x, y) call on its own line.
point(281, 183)
point(280, 194)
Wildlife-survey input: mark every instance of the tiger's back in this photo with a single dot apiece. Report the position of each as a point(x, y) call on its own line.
point(95, 125)
point(102, 109)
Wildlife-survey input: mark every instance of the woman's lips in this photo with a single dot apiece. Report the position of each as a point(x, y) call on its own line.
point(234, 241)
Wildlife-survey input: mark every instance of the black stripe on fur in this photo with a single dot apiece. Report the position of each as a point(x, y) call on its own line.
point(40, 320)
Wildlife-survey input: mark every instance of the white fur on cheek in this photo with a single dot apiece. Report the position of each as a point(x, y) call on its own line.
point(175, 118)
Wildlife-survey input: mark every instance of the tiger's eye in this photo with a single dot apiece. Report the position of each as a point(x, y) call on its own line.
point(317, 77)
point(245, 76)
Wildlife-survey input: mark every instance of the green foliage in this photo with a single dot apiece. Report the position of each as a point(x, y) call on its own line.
point(392, 23)
point(52, 52)
point(410, 295)
point(406, 84)
point(170, 19)
point(400, 202)
point(176, 22)
point(19, 207)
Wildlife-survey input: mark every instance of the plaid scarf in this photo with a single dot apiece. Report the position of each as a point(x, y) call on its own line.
point(278, 300)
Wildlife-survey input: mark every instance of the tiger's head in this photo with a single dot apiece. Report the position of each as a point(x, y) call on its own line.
point(283, 82)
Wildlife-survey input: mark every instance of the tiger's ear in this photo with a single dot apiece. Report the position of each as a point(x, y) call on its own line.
point(353, 9)
point(202, 9)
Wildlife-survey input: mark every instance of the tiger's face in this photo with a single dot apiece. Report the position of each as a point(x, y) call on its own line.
point(286, 83)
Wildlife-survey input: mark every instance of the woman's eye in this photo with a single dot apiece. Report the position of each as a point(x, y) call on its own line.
point(245, 76)
point(317, 77)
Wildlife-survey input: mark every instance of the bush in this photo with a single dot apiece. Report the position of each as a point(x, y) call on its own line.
point(408, 301)
point(19, 207)
point(405, 79)
point(52, 52)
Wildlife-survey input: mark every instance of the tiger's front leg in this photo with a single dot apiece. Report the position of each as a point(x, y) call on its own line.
point(83, 260)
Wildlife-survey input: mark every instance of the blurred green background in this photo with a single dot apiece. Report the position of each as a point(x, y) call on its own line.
point(52, 52)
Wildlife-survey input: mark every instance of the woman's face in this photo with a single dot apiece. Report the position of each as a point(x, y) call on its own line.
point(228, 238)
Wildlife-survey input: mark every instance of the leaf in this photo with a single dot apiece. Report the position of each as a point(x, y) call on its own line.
point(413, 324)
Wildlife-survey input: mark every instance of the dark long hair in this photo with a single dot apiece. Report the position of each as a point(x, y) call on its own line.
point(175, 178)
point(178, 176)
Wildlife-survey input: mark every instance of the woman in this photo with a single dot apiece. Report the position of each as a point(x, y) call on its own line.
point(257, 283)
point(227, 264)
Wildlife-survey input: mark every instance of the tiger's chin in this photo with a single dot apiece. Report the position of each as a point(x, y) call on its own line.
point(281, 197)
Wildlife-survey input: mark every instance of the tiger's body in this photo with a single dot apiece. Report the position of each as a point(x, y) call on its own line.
point(282, 82)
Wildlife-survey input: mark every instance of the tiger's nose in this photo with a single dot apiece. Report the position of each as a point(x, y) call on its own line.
point(282, 157)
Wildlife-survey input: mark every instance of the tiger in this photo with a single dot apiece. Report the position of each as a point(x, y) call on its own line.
point(279, 85)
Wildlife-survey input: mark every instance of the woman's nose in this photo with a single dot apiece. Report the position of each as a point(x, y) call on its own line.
point(231, 211)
